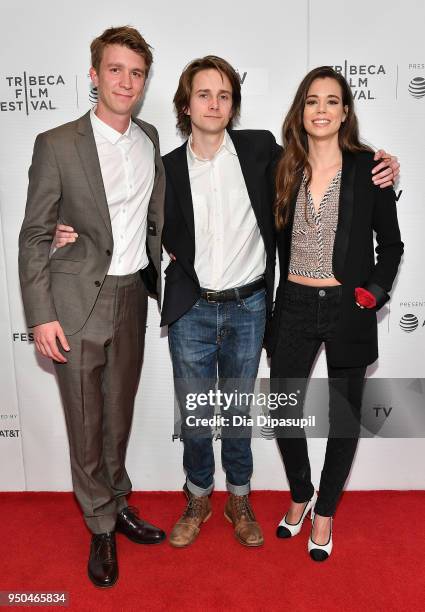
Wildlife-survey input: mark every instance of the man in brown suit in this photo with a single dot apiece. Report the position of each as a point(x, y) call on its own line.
point(87, 303)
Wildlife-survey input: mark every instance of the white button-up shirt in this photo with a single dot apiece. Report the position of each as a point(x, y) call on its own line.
point(128, 172)
point(229, 248)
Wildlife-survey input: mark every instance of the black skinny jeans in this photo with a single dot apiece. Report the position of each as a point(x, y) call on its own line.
point(308, 318)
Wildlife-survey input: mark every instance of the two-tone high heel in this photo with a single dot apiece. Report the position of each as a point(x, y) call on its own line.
point(319, 552)
point(289, 530)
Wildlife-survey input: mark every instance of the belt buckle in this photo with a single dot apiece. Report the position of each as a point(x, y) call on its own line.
point(211, 300)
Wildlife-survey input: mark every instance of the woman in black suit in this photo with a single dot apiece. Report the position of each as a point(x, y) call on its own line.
point(331, 287)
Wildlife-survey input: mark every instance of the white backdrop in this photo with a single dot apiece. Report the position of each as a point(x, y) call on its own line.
point(44, 82)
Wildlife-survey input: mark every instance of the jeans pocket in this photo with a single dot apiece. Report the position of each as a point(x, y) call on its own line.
point(255, 302)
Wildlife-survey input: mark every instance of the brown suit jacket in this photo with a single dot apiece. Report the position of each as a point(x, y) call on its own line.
point(65, 183)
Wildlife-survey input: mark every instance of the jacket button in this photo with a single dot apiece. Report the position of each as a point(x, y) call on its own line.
point(97, 283)
point(108, 252)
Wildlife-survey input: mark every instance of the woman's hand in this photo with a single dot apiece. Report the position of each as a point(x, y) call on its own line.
point(364, 298)
point(387, 172)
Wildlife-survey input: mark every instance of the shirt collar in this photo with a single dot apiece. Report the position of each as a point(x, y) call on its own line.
point(226, 144)
point(106, 131)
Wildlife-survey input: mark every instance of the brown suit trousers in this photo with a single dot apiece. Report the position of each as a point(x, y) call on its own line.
point(98, 385)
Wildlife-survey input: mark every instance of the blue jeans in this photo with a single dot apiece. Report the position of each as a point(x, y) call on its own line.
point(217, 342)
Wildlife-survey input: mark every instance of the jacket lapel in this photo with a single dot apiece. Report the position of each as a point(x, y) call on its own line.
point(250, 174)
point(156, 202)
point(178, 172)
point(292, 206)
point(87, 151)
point(152, 135)
point(345, 214)
point(285, 235)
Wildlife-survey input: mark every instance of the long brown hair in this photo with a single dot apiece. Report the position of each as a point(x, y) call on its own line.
point(294, 160)
point(182, 96)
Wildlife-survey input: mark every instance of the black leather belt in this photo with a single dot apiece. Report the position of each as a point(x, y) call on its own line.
point(238, 293)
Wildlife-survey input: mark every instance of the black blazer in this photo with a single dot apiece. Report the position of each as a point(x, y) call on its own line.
point(363, 209)
point(257, 153)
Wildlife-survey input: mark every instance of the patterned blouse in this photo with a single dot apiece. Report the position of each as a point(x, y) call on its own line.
point(313, 234)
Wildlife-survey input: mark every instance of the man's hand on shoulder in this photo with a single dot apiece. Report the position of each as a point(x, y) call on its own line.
point(45, 336)
point(386, 173)
point(64, 235)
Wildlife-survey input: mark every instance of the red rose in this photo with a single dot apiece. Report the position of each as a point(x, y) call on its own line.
point(365, 298)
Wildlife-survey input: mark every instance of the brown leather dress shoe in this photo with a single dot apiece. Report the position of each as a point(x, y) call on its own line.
point(136, 529)
point(103, 566)
point(239, 512)
point(198, 511)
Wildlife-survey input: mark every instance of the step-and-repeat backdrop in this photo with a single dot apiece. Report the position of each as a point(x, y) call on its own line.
point(44, 82)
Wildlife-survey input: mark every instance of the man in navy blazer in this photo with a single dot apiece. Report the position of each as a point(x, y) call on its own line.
point(218, 229)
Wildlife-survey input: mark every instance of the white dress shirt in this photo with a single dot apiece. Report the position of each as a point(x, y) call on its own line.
point(128, 172)
point(229, 248)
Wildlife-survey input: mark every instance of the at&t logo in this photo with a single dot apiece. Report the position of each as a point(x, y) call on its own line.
point(93, 95)
point(417, 87)
point(409, 322)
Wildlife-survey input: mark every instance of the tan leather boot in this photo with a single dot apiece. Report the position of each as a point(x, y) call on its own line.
point(198, 511)
point(239, 512)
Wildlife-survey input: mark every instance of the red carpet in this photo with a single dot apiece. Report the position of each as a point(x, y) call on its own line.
point(377, 564)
